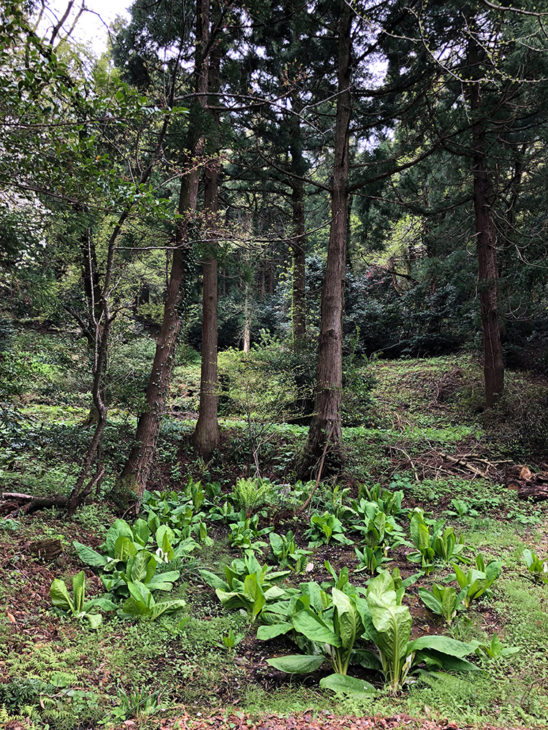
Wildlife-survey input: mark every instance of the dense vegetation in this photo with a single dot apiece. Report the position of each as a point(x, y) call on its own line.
point(273, 359)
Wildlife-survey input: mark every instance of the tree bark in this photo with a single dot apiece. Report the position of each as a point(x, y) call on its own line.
point(206, 436)
point(326, 421)
point(134, 477)
point(298, 245)
point(486, 246)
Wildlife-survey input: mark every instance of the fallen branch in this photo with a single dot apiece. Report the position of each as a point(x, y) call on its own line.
point(409, 459)
point(466, 464)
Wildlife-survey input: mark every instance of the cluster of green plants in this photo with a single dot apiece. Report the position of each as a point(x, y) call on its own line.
point(338, 625)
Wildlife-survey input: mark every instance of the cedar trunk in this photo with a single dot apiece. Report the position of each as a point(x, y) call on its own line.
point(325, 428)
point(298, 249)
point(486, 244)
point(206, 435)
point(137, 469)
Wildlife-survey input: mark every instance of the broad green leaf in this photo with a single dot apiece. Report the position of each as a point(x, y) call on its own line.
point(393, 624)
point(166, 607)
point(124, 548)
point(141, 567)
point(94, 619)
point(79, 591)
point(446, 662)
point(105, 604)
point(430, 601)
point(443, 644)
point(346, 618)
point(264, 633)
point(297, 663)
point(141, 531)
point(273, 593)
point(139, 592)
point(89, 556)
point(276, 543)
point(60, 596)
point(310, 625)
point(343, 684)
point(119, 528)
point(213, 580)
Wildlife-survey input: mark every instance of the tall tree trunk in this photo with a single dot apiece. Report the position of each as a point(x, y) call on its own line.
point(247, 319)
point(206, 435)
point(326, 422)
point(486, 245)
point(134, 477)
point(298, 249)
point(298, 245)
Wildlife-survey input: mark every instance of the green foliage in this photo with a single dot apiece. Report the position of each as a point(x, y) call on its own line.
point(324, 528)
point(476, 581)
point(388, 502)
point(439, 544)
point(245, 533)
point(462, 508)
point(137, 703)
point(495, 650)
point(441, 600)
point(371, 559)
point(331, 623)
point(251, 494)
point(141, 603)
point(247, 585)
point(287, 554)
point(389, 628)
point(76, 604)
point(537, 567)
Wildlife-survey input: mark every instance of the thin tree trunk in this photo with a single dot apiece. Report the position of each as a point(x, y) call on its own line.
point(247, 320)
point(206, 435)
point(298, 249)
point(134, 477)
point(298, 245)
point(326, 421)
point(486, 245)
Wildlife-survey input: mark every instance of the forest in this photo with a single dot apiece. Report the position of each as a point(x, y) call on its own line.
point(274, 365)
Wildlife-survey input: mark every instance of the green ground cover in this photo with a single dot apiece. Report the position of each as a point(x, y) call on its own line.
point(58, 672)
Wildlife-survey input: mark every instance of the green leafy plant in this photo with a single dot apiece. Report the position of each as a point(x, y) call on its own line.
point(324, 528)
point(537, 567)
point(245, 533)
point(389, 628)
point(330, 625)
point(462, 508)
point(77, 604)
point(248, 585)
point(388, 502)
point(476, 581)
point(135, 703)
point(335, 626)
point(495, 650)
point(252, 494)
point(141, 603)
point(441, 600)
point(286, 552)
point(439, 544)
point(370, 559)
point(231, 640)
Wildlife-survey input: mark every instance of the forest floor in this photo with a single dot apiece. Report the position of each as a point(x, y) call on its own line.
point(425, 434)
